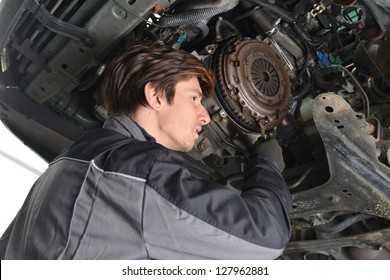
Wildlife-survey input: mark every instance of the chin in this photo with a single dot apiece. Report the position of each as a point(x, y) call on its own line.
point(186, 150)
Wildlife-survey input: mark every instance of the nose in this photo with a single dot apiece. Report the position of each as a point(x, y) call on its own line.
point(204, 116)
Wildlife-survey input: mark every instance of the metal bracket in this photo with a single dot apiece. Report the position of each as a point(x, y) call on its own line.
point(60, 27)
point(31, 54)
point(358, 181)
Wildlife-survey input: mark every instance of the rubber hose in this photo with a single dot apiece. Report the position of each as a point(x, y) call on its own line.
point(196, 15)
point(305, 88)
point(187, 6)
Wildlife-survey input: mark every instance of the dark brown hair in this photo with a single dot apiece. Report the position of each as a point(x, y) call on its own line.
point(129, 71)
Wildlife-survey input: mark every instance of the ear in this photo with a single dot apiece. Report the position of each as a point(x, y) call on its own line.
point(153, 98)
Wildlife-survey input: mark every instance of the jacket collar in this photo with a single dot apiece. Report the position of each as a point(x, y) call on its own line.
point(126, 126)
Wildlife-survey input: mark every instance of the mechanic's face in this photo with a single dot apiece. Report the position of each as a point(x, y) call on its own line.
point(181, 121)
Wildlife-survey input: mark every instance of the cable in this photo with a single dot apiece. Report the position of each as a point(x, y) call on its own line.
point(344, 224)
point(370, 58)
point(364, 94)
point(300, 180)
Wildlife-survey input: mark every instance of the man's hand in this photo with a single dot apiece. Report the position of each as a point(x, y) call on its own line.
point(269, 149)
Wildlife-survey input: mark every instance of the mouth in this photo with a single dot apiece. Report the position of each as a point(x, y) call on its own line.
point(197, 130)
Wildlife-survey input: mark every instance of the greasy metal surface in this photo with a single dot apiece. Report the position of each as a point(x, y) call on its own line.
point(358, 182)
point(109, 23)
point(60, 27)
point(253, 86)
point(376, 239)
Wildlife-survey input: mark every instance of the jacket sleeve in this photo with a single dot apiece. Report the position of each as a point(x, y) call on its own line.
point(4, 240)
point(189, 218)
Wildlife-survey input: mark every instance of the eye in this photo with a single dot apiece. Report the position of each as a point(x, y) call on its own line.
point(194, 98)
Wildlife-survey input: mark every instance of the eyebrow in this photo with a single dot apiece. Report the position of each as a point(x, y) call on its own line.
point(199, 92)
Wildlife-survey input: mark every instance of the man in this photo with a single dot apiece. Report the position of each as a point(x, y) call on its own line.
point(121, 192)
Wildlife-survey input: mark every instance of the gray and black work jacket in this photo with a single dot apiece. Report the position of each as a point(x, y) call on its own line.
point(115, 195)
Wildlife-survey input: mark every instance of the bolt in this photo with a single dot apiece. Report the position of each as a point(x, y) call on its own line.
point(223, 114)
point(88, 40)
point(334, 198)
point(202, 147)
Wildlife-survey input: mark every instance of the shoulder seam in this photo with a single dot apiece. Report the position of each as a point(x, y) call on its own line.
point(139, 179)
point(69, 158)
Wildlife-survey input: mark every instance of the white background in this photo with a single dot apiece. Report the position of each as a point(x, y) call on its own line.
point(277, 270)
point(15, 179)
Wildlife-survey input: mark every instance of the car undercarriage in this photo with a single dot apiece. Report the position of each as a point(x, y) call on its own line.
point(313, 74)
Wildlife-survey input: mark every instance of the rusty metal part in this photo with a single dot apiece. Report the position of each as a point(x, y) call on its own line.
point(157, 9)
point(358, 181)
point(375, 239)
point(252, 84)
